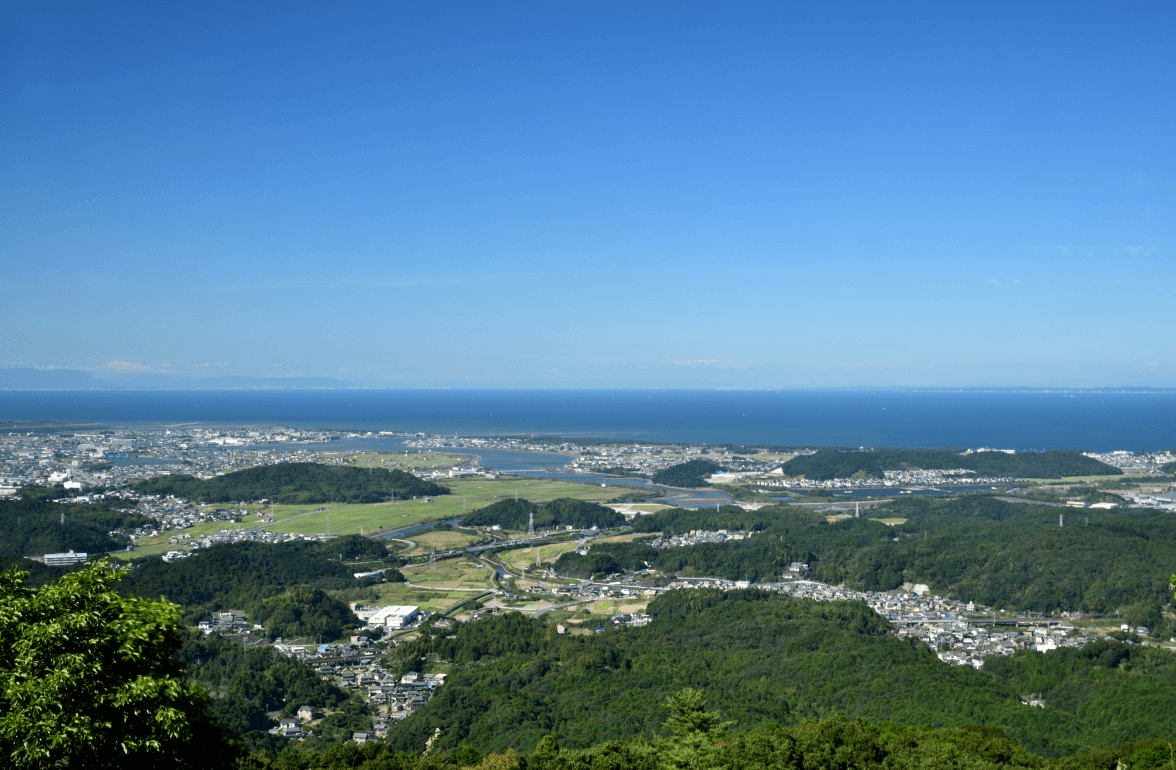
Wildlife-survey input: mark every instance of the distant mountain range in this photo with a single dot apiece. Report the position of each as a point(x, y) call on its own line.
point(76, 379)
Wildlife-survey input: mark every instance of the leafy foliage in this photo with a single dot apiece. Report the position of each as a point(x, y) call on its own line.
point(693, 473)
point(294, 483)
point(564, 511)
point(88, 679)
point(34, 527)
point(832, 744)
point(829, 464)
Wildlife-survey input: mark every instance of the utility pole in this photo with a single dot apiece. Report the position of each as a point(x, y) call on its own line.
point(432, 554)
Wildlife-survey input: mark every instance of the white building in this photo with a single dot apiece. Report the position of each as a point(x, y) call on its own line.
point(61, 559)
point(391, 616)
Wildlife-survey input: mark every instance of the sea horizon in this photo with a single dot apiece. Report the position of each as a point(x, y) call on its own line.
point(1083, 419)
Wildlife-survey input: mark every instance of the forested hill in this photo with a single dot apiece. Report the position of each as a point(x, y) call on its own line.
point(247, 685)
point(764, 656)
point(828, 464)
point(693, 473)
point(974, 547)
point(35, 528)
point(565, 511)
point(1099, 682)
point(294, 483)
point(282, 586)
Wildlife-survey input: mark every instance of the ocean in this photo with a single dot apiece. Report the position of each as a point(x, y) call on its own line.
point(1085, 420)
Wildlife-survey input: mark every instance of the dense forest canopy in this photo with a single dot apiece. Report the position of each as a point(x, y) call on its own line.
point(766, 657)
point(693, 473)
point(562, 512)
point(34, 527)
point(701, 740)
point(294, 483)
point(676, 521)
point(828, 464)
point(1097, 682)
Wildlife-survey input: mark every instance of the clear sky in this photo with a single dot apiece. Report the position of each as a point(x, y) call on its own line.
point(592, 194)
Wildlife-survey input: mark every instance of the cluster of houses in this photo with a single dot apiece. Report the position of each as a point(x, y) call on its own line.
point(697, 536)
point(396, 696)
point(228, 622)
point(635, 458)
point(892, 479)
point(943, 623)
point(1136, 463)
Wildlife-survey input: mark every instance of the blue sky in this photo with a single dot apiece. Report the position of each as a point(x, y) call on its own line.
point(592, 194)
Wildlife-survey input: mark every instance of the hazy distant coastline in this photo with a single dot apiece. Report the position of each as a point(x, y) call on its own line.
point(79, 379)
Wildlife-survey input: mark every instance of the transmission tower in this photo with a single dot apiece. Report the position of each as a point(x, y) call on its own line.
point(432, 554)
point(531, 524)
point(537, 552)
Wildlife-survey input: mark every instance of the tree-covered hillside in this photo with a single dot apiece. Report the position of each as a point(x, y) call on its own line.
point(294, 483)
point(693, 473)
point(606, 558)
point(977, 548)
point(248, 685)
point(1103, 683)
point(281, 586)
point(768, 658)
point(562, 512)
point(829, 464)
point(34, 528)
point(675, 521)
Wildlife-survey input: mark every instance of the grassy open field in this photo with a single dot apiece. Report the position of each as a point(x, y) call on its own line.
point(350, 519)
point(432, 600)
point(592, 614)
point(472, 493)
point(451, 573)
point(518, 558)
point(628, 537)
